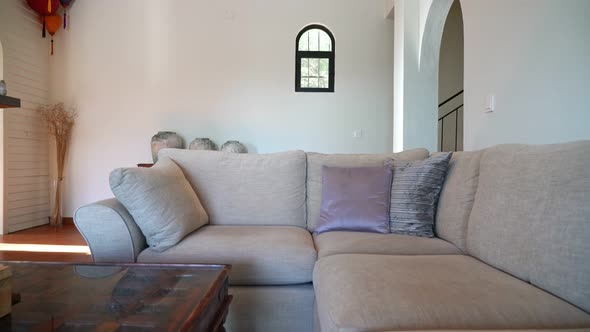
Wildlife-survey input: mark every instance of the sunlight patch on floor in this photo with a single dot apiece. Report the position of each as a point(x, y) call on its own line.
point(45, 248)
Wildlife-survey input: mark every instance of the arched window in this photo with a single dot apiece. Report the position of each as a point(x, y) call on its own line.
point(314, 59)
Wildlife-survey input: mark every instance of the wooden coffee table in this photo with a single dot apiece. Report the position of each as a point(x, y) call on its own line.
point(117, 297)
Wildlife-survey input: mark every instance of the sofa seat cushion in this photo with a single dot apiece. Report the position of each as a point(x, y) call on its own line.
point(334, 243)
point(453, 292)
point(259, 255)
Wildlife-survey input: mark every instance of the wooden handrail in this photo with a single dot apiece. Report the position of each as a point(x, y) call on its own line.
point(451, 98)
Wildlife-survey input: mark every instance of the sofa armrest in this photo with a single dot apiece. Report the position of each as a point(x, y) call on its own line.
point(110, 231)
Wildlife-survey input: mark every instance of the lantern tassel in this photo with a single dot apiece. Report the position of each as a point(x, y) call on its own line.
point(65, 19)
point(51, 46)
point(43, 33)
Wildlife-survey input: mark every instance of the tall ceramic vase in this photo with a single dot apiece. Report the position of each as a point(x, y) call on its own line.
point(163, 140)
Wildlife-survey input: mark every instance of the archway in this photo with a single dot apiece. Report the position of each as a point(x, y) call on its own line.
point(419, 31)
point(450, 82)
point(432, 28)
point(418, 34)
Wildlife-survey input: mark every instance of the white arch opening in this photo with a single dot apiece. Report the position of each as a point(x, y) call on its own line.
point(419, 79)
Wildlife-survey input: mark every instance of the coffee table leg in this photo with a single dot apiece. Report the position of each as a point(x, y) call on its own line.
point(224, 313)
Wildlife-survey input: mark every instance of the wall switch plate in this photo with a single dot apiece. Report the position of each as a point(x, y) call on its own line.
point(357, 133)
point(228, 15)
point(490, 103)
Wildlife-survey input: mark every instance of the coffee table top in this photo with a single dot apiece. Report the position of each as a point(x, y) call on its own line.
point(81, 297)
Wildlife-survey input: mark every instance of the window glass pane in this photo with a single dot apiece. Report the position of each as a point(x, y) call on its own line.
point(315, 73)
point(314, 67)
point(324, 67)
point(303, 42)
point(314, 82)
point(314, 39)
point(304, 82)
point(304, 67)
point(325, 42)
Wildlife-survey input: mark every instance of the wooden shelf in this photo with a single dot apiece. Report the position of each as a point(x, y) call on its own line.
point(9, 102)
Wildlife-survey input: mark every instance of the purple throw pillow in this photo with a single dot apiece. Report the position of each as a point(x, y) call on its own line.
point(355, 199)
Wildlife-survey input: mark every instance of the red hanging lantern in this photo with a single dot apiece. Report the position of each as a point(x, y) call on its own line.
point(44, 8)
point(53, 23)
point(66, 4)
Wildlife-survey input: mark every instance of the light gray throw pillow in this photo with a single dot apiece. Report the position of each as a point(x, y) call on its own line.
point(415, 189)
point(161, 201)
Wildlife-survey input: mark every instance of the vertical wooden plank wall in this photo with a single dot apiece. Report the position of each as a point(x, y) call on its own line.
point(26, 180)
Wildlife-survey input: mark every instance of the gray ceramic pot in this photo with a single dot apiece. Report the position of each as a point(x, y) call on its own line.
point(3, 90)
point(163, 140)
point(234, 147)
point(202, 144)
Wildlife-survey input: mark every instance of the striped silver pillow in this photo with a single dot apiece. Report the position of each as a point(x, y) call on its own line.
point(415, 189)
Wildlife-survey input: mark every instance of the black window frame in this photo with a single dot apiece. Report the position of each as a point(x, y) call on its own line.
point(330, 55)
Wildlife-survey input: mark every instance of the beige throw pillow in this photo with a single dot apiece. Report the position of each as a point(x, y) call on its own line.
point(161, 201)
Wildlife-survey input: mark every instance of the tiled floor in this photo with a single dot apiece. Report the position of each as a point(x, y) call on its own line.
point(45, 244)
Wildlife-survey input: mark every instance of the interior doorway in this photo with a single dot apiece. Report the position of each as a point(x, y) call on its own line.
point(450, 82)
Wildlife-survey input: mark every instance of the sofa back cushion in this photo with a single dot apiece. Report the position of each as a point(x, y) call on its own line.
point(246, 189)
point(531, 216)
point(315, 161)
point(456, 198)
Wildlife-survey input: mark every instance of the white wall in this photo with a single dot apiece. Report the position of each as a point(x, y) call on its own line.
point(398, 75)
point(535, 56)
point(218, 69)
point(25, 181)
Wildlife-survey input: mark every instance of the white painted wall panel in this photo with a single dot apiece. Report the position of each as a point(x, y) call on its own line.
point(25, 181)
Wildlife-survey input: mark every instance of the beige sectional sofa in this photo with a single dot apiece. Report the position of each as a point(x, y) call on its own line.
point(512, 252)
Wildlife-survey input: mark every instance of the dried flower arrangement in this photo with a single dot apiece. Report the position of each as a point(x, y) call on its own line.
point(60, 122)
